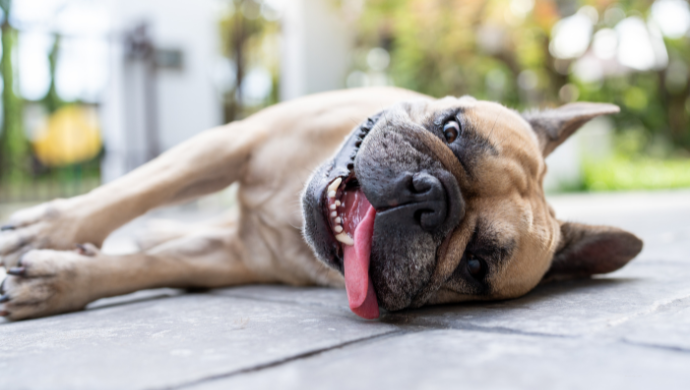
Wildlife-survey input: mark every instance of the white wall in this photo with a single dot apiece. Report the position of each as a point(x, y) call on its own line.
point(593, 142)
point(317, 44)
point(187, 100)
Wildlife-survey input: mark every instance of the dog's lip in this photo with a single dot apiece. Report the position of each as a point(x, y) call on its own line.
point(329, 220)
point(343, 167)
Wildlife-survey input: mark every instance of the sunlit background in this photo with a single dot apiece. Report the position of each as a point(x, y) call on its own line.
point(93, 88)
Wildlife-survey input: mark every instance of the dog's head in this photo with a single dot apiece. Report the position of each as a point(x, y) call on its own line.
point(437, 201)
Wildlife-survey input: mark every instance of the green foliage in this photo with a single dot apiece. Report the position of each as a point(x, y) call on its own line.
point(22, 177)
point(13, 144)
point(244, 32)
point(456, 47)
point(624, 173)
point(483, 48)
point(638, 163)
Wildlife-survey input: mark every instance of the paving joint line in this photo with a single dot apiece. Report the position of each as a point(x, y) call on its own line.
point(425, 325)
point(654, 308)
point(509, 331)
point(683, 350)
point(259, 299)
point(280, 362)
point(132, 302)
point(434, 325)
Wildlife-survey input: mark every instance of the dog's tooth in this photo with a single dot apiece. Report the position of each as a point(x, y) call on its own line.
point(333, 206)
point(334, 214)
point(331, 194)
point(338, 220)
point(345, 239)
point(334, 186)
point(337, 203)
point(338, 228)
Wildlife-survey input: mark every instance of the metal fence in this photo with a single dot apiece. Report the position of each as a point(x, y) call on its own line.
point(42, 183)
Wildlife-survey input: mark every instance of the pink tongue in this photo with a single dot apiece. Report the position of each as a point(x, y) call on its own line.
point(360, 289)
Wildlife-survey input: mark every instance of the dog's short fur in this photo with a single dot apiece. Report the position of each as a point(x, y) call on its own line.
point(488, 205)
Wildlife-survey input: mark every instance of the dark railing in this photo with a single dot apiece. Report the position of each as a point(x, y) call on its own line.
point(49, 183)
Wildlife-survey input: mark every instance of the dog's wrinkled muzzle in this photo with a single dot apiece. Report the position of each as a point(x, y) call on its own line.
point(451, 251)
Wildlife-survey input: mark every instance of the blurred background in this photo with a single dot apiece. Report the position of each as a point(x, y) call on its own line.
point(92, 89)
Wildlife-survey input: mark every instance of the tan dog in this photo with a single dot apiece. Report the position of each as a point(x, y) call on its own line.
point(427, 201)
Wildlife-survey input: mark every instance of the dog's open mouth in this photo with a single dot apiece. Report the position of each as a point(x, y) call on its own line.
point(351, 218)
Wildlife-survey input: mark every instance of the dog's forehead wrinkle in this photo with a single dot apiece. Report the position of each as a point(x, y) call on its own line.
point(494, 239)
point(447, 114)
point(511, 119)
point(494, 124)
point(471, 128)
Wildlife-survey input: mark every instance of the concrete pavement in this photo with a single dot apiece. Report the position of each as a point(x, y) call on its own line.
point(629, 329)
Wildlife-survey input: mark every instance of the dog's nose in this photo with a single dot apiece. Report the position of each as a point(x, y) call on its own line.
point(417, 198)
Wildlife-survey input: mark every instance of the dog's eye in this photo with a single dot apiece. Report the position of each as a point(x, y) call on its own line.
point(451, 130)
point(476, 267)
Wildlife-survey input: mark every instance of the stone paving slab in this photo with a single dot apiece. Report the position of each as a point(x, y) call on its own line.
point(661, 218)
point(571, 308)
point(667, 326)
point(629, 329)
point(165, 342)
point(319, 297)
point(456, 359)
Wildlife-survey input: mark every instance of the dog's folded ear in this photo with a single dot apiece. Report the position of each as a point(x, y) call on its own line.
point(586, 250)
point(554, 126)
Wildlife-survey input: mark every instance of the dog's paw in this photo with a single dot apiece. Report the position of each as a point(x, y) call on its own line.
point(46, 282)
point(53, 225)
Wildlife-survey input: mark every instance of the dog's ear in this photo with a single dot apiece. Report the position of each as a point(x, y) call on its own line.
point(586, 250)
point(554, 126)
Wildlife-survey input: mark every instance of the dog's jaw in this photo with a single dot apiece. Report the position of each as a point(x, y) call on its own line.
point(335, 175)
point(339, 222)
point(351, 218)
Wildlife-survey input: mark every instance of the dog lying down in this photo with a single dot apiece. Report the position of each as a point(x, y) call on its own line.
point(426, 201)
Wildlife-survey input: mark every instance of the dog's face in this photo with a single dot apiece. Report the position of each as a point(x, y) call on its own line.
point(437, 201)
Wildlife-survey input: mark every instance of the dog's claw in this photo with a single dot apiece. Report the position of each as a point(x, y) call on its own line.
point(87, 249)
point(6, 227)
point(4, 298)
point(17, 271)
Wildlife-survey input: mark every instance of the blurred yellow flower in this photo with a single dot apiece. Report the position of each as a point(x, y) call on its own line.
point(69, 136)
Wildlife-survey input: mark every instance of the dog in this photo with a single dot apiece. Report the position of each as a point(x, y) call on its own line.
point(427, 201)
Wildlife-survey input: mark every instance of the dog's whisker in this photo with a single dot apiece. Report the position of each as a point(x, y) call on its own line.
point(354, 121)
point(494, 126)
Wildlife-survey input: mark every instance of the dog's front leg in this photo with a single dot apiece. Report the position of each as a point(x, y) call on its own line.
point(206, 163)
point(49, 282)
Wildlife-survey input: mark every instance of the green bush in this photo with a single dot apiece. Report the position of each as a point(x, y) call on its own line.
point(622, 173)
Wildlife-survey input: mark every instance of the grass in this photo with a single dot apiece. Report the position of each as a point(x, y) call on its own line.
point(43, 189)
point(54, 183)
point(644, 173)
